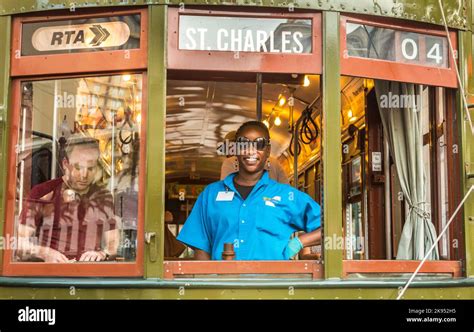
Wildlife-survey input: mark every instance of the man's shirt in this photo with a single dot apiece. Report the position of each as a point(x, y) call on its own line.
point(71, 226)
point(259, 226)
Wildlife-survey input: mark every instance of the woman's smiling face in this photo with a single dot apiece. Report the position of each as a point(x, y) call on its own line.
point(252, 160)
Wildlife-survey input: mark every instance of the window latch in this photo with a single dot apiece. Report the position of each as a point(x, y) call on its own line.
point(469, 173)
point(149, 237)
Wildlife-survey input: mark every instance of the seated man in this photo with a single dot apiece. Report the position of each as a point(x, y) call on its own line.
point(251, 211)
point(70, 218)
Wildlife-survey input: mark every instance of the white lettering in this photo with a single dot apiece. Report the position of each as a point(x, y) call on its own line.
point(222, 46)
point(261, 38)
point(37, 315)
point(285, 41)
point(189, 35)
point(297, 39)
point(202, 37)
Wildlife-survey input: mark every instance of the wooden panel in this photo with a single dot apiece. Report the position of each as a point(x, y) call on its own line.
point(401, 266)
point(176, 268)
point(375, 191)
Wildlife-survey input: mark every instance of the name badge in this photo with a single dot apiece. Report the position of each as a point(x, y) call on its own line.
point(225, 196)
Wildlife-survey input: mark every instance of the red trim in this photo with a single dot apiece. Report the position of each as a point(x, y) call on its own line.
point(78, 62)
point(397, 71)
point(112, 269)
point(174, 269)
point(400, 266)
point(248, 61)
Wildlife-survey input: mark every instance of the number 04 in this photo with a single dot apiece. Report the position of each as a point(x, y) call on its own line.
point(435, 53)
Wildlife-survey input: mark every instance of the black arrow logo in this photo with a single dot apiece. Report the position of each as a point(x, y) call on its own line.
point(100, 33)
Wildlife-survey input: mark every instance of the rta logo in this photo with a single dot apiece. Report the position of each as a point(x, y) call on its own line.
point(73, 37)
point(81, 36)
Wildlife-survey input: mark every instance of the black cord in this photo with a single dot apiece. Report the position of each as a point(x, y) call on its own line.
point(309, 131)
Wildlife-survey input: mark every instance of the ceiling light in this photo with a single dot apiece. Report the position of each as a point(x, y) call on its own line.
point(306, 82)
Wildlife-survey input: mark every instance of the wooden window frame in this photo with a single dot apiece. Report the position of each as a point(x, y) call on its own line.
point(112, 269)
point(58, 66)
point(249, 62)
point(396, 71)
point(255, 62)
point(455, 265)
point(93, 61)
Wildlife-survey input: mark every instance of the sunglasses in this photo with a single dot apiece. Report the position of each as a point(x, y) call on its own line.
point(260, 143)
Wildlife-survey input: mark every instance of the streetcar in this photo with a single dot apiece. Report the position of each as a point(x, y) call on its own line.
point(367, 105)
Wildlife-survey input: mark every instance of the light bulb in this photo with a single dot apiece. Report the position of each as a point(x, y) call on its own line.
point(349, 113)
point(282, 101)
point(306, 82)
point(277, 121)
point(126, 78)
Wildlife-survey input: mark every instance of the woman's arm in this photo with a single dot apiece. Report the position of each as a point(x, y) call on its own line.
point(201, 255)
point(310, 239)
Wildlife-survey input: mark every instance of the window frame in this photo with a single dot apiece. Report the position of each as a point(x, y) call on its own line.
point(248, 61)
point(396, 71)
point(205, 61)
point(112, 269)
point(104, 63)
point(107, 61)
point(452, 266)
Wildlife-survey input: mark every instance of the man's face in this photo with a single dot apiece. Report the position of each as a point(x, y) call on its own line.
point(81, 167)
point(253, 161)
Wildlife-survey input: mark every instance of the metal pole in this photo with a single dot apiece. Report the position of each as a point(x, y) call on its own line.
point(259, 97)
point(295, 154)
point(388, 207)
point(55, 129)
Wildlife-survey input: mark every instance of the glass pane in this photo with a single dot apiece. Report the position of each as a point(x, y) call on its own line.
point(365, 41)
point(77, 169)
point(443, 175)
point(202, 118)
point(242, 34)
point(82, 35)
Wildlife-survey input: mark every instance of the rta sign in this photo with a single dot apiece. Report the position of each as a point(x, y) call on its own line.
point(81, 36)
point(74, 37)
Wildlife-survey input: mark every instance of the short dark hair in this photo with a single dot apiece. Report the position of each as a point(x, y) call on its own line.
point(79, 140)
point(254, 124)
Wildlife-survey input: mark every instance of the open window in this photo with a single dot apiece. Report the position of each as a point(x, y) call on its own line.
point(400, 150)
point(76, 149)
point(226, 68)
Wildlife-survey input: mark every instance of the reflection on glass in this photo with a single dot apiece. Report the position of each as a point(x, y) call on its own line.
point(77, 169)
point(241, 34)
point(365, 41)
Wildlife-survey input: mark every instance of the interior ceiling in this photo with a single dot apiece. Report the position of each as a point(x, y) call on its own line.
point(200, 113)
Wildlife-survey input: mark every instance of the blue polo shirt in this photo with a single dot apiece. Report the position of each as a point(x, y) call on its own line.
point(259, 226)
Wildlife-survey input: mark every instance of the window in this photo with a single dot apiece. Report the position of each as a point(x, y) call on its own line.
point(221, 67)
point(387, 50)
point(243, 41)
point(75, 175)
point(395, 192)
point(398, 128)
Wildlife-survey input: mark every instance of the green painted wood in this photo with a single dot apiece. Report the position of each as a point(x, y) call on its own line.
point(5, 26)
point(457, 12)
point(155, 150)
point(331, 146)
